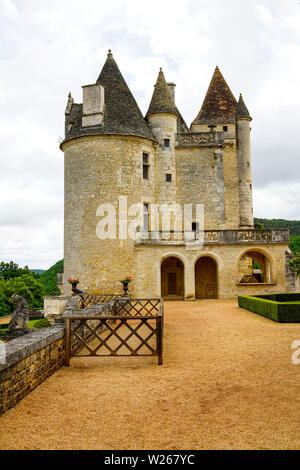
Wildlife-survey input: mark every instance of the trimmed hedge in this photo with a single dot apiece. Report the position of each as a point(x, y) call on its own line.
point(294, 297)
point(276, 307)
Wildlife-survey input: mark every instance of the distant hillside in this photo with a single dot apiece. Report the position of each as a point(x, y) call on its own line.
point(293, 225)
point(48, 278)
point(37, 271)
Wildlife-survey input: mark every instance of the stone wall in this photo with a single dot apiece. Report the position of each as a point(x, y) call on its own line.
point(98, 170)
point(27, 361)
point(227, 259)
point(55, 305)
point(200, 180)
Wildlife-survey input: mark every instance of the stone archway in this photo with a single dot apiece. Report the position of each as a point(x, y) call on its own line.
point(206, 284)
point(254, 267)
point(172, 278)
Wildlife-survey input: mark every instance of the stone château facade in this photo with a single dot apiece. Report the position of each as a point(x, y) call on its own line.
point(112, 151)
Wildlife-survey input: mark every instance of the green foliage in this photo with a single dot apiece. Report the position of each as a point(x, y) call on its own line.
point(295, 263)
point(11, 270)
point(48, 278)
point(27, 285)
point(259, 226)
point(295, 244)
point(283, 308)
point(43, 323)
point(293, 225)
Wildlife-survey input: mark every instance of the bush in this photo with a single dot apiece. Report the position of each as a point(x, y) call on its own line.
point(283, 308)
point(266, 308)
point(43, 323)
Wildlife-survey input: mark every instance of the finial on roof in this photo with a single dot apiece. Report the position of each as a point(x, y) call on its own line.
point(109, 54)
point(69, 103)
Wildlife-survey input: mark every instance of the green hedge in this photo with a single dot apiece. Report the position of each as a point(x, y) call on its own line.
point(293, 297)
point(276, 310)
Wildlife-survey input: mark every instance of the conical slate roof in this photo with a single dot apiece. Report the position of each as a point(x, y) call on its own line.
point(122, 115)
point(241, 109)
point(219, 104)
point(121, 112)
point(161, 101)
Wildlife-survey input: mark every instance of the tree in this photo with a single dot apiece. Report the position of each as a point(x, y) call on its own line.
point(11, 270)
point(49, 278)
point(295, 263)
point(295, 244)
point(25, 284)
point(259, 226)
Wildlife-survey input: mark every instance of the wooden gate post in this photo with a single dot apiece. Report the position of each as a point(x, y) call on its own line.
point(67, 341)
point(159, 339)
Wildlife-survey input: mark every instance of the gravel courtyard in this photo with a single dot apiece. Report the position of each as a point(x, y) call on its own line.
point(228, 382)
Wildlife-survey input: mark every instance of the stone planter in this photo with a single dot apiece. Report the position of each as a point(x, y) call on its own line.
point(125, 287)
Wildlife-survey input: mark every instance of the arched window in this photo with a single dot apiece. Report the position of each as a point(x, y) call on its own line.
point(254, 267)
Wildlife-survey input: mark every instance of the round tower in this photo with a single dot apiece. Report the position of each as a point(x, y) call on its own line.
point(162, 117)
point(243, 119)
point(106, 138)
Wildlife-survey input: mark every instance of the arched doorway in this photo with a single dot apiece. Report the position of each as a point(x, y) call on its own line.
point(254, 267)
point(206, 286)
point(172, 278)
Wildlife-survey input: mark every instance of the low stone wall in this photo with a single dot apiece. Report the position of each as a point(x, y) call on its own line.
point(27, 361)
point(55, 305)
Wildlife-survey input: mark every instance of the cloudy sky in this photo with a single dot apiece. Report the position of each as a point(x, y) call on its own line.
point(51, 48)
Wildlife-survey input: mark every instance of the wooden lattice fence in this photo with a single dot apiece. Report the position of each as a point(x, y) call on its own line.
point(134, 329)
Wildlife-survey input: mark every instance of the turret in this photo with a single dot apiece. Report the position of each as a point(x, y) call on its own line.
point(162, 117)
point(243, 119)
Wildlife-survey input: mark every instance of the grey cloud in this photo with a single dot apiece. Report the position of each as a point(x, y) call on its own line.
point(51, 48)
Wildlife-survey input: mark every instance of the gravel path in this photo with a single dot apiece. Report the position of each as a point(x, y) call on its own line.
point(227, 382)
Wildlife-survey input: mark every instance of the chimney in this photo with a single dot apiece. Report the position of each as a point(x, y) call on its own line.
point(93, 105)
point(171, 87)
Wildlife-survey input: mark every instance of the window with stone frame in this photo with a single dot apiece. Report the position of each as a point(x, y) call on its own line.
point(146, 217)
point(145, 166)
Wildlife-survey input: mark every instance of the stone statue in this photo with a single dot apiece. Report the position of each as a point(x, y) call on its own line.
point(20, 316)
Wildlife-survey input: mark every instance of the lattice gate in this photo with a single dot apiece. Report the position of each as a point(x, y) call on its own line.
point(135, 329)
